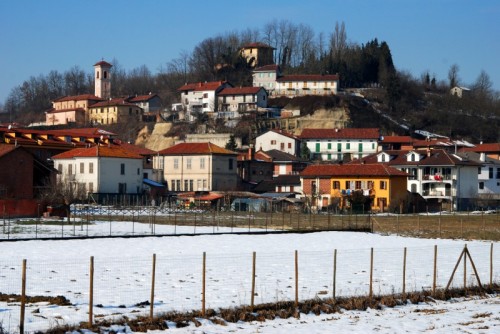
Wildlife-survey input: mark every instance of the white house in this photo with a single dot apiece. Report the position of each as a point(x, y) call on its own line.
point(265, 76)
point(340, 144)
point(102, 169)
point(459, 91)
point(233, 101)
point(278, 140)
point(306, 84)
point(201, 96)
point(444, 180)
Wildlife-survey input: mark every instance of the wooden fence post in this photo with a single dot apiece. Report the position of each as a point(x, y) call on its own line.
point(491, 266)
point(203, 291)
point(296, 278)
point(252, 299)
point(371, 273)
point(465, 271)
point(153, 274)
point(404, 273)
point(435, 271)
point(91, 292)
point(334, 274)
point(23, 298)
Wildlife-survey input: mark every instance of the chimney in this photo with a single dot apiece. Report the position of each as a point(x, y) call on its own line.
point(428, 152)
point(250, 153)
point(482, 156)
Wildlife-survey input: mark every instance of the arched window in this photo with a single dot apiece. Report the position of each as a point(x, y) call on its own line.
point(105, 74)
point(97, 75)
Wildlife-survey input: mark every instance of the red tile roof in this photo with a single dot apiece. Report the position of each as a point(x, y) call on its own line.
point(141, 98)
point(347, 133)
point(202, 86)
point(308, 77)
point(79, 98)
point(112, 102)
point(134, 148)
point(195, 148)
point(397, 140)
point(103, 63)
point(112, 151)
point(240, 90)
point(267, 68)
point(351, 170)
point(284, 133)
point(257, 45)
point(486, 148)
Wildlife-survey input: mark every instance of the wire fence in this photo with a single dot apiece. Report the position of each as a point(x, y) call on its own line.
point(106, 221)
point(113, 288)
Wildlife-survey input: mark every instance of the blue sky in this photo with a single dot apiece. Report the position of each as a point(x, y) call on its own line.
point(39, 36)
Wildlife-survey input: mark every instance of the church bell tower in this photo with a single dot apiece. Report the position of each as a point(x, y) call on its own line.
point(102, 77)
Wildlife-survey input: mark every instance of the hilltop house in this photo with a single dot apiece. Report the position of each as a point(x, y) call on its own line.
point(258, 54)
point(233, 101)
point(198, 167)
point(70, 109)
point(278, 140)
point(201, 96)
point(112, 111)
point(340, 144)
point(353, 186)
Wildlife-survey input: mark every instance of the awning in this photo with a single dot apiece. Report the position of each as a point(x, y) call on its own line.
point(153, 183)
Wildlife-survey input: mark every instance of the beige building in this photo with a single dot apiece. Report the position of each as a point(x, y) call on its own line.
point(114, 111)
point(198, 167)
point(102, 77)
point(235, 100)
point(70, 109)
point(258, 54)
point(306, 84)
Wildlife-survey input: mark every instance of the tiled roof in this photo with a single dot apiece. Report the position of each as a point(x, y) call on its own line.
point(112, 151)
point(103, 63)
point(287, 179)
point(397, 140)
point(79, 98)
point(267, 68)
point(280, 156)
point(284, 133)
point(195, 148)
point(308, 77)
point(112, 102)
point(487, 147)
point(433, 157)
point(54, 111)
point(351, 170)
point(141, 98)
point(134, 148)
point(240, 90)
point(257, 45)
point(347, 133)
point(202, 86)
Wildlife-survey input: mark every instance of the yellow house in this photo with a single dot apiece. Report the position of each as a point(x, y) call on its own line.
point(345, 186)
point(114, 111)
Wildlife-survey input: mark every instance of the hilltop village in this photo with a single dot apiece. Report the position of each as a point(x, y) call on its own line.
point(309, 163)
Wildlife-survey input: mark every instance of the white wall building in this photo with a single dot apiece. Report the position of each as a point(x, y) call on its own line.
point(201, 96)
point(102, 169)
point(278, 140)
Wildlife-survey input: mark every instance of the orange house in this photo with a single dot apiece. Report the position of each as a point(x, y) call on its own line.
point(334, 185)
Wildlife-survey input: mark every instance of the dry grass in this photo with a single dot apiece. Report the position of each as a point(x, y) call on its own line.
point(283, 310)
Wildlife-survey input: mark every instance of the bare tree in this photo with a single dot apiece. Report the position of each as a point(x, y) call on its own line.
point(63, 192)
point(453, 75)
point(338, 41)
point(482, 86)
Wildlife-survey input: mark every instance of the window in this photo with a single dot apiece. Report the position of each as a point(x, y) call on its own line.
point(199, 185)
point(59, 168)
point(97, 73)
point(91, 167)
point(490, 172)
point(348, 146)
point(172, 185)
point(91, 187)
point(202, 163)
point(479, 170)
point(178, 185)
point(205, 95)
point(191, 182)
point(273, 142)
point(176, 163)
point(282, 146)
point(82, 168)
point(138, 171)
point(122, 188)
point(290, 146)
point(122, 169)
point(329, 146)
point(204, 184)
point(230, 164)
point(498, 173)
point(481, 185)
point(317, 147)
point(360, 147)
point(105, 74)
point(313, 187)
point(336, 185)
point(382, 157)
point(339, 147)
point(186, 184)
point(188, 163)
point(70, 169)
point(383, 184)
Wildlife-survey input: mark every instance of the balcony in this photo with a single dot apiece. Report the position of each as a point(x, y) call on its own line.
point(436, 178)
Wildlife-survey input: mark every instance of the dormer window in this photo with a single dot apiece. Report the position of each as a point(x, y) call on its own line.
point(412, 157)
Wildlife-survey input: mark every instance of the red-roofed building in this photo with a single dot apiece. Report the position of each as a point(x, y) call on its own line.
point(278, 140)
point(150, 103)
point(380, 187)
point(70, 109)
point(201, 96)
point(198, 167)
point(491, 150)
point(265, 76)
point(106, 169)
point(235, 100)
point(340, 144)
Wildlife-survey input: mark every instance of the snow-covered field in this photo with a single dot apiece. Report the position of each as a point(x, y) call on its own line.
point(123, 278)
